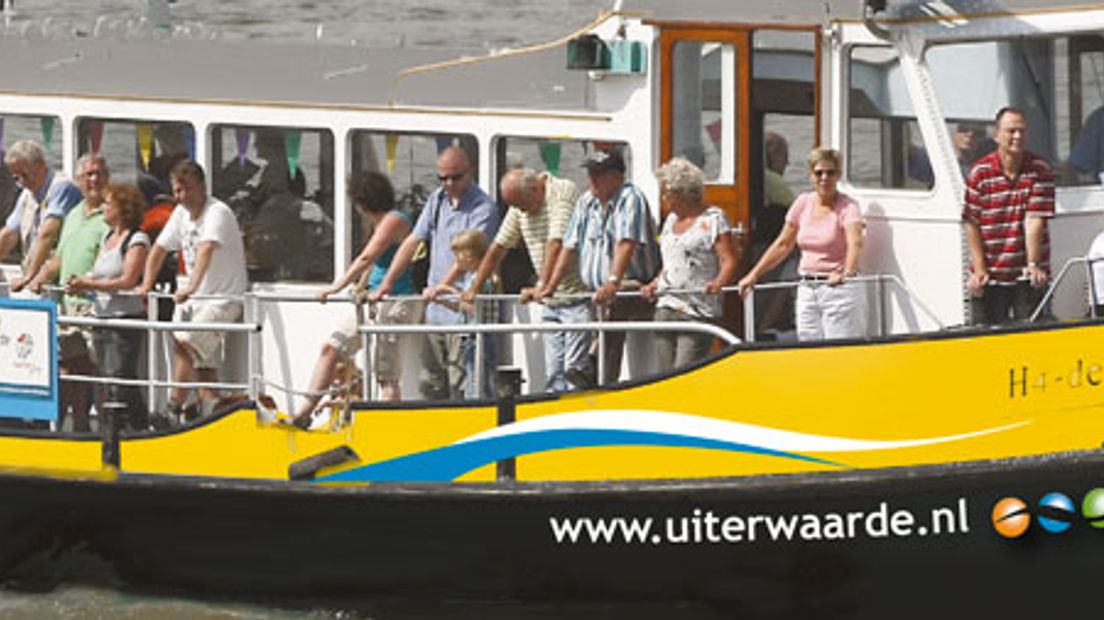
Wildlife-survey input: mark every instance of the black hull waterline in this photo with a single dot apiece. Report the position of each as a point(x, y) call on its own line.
point(350, 546)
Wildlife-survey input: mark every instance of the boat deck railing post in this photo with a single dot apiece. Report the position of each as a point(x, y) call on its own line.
point(253, 346)
point(749, 316)
point(1093, 296)
point(151, 353)
point(477, 379)
point(507, 388)
point(109, 431)
point(880, 292)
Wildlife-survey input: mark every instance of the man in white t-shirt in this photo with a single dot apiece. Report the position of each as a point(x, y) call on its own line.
point(205, 231)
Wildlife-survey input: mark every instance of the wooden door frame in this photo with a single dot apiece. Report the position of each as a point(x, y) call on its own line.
point(732, 197)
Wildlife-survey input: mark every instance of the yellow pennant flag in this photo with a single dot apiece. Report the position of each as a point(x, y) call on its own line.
point(145, 144)
point(392, 147)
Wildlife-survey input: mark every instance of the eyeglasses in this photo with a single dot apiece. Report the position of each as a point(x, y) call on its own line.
point(831, 172)
point(445, 178)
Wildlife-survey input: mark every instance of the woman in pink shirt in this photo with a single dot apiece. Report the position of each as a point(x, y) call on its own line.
point(827, 226)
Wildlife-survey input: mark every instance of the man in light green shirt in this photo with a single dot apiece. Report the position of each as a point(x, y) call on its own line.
point(82, 231)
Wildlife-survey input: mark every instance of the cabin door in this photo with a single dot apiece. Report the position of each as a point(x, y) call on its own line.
point(704, 104)
point(704, 107)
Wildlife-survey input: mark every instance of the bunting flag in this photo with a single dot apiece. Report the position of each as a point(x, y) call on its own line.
point(95, 136)
point(443, 142)
point(243, 135)
point(392, 148)
point(145, 144)
point(189, 138)
point(292, 139)
point(47, 132)
point(550, 155)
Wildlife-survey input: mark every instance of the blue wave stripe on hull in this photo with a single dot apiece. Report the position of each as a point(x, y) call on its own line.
point(450, 462)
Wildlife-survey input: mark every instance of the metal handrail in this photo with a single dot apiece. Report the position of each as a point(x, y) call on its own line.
point(252, 326)
point(878, 279)
point(158, 326)
point(592, 326)
point(1088, 261)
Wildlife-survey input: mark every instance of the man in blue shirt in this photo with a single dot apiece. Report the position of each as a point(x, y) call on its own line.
point(456, 206)
point(613, 234)
point(35, 222)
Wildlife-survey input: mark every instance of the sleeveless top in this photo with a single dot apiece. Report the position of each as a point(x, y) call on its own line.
point(405, 284)
point(109, 264)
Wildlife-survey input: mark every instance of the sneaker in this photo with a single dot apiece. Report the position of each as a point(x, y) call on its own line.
point(584, 376)
point(161, 421)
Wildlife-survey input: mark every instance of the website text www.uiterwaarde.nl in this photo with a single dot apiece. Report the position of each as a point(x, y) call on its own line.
point(705, 527)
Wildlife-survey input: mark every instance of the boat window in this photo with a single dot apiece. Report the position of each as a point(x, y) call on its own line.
point(704, 96)
point(13, 128)
point(279, 182)
point(886, 150)
point(137, 151)
point(563, 158)
point(1058, 81)
point(410, 161)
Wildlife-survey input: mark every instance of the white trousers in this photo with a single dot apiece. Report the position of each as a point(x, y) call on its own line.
point(827, 312)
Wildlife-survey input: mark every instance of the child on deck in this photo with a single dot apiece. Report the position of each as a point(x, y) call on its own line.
point(468, 248)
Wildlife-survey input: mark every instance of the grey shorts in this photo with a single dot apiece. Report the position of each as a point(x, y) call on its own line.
point(387, 360)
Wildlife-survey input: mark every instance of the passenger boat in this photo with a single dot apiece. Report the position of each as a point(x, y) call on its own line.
point(928, 467)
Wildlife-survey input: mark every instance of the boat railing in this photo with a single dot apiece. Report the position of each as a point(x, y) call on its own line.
point(369, 331)
point(151, 325)
point(252, 326)
point(880, 283)
point(1094, 296)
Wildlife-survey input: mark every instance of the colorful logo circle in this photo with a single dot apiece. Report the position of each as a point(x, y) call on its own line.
point(24, 346)
point(1010, 517)
point(1092, 508)
point(1056, 512)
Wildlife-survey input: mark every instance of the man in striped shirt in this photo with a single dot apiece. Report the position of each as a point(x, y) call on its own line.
point(613, 234)
point(1009, 198)
point(541, 208)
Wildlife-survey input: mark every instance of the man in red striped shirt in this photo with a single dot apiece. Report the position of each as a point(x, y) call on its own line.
point(1009, 198)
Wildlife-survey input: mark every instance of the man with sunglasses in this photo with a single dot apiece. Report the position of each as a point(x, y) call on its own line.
point(35, 222)
point(1009, 199)
point(458, 205)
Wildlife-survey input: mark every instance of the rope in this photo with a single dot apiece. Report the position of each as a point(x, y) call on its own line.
point(531, 49)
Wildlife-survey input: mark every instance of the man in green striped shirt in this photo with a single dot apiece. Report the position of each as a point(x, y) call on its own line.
point(541, 208)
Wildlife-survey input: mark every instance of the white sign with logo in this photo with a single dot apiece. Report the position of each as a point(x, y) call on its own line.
point(28, 360)
point(25, 348)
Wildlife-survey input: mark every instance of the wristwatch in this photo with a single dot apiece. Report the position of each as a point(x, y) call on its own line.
point(612, 279)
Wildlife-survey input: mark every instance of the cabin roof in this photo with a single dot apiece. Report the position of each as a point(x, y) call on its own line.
point(282, 72)
point(315, 73)
point(810, 12)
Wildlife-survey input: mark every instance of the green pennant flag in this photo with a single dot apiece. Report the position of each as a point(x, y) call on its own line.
point(292, 138)
point(550, 155)
point(47, 132)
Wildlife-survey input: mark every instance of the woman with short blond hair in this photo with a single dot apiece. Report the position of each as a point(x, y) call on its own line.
point(697, 255)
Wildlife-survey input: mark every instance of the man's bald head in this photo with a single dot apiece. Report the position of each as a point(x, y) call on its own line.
point(524, 189)
point(454, 171)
